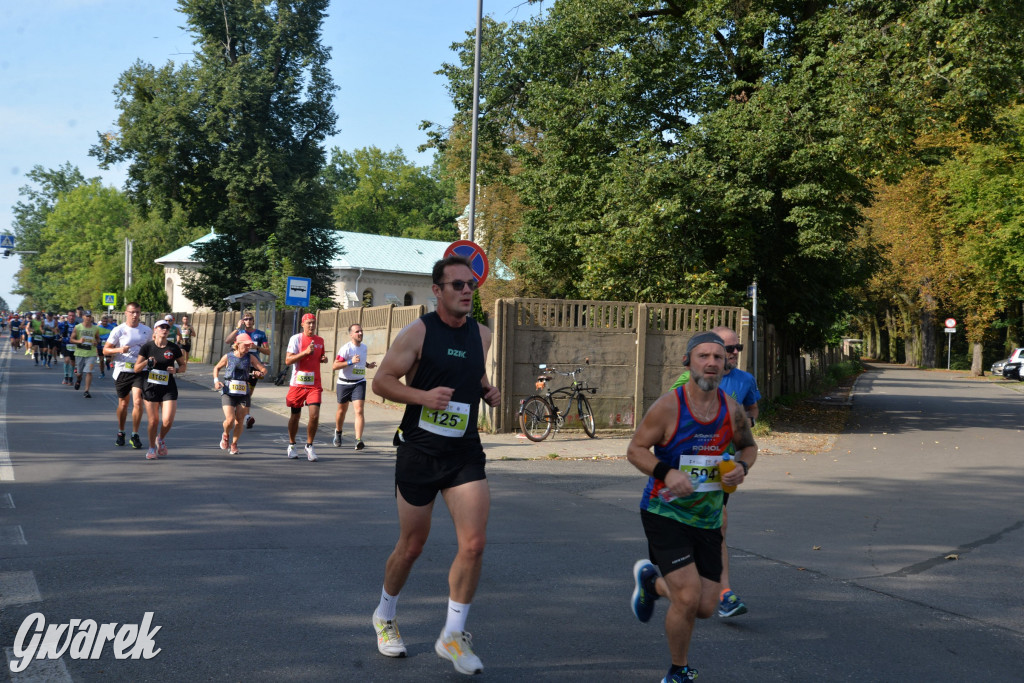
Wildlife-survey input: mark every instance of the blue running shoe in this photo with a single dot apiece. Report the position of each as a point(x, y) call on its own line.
point(731, 606)
point(687, 674)
point(644, 594)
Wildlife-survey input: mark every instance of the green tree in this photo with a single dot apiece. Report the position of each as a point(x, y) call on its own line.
point(233, 140)
point(675, 152)
point(30, 215)
point(384, 194)
point(82, 254)
point(148, 291)
point(947, 231)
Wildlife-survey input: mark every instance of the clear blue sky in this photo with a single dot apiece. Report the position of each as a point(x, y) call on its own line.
point(59, 60)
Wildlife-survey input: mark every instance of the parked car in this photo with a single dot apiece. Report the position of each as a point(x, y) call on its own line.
point(1012, 370)
point(1017, 357)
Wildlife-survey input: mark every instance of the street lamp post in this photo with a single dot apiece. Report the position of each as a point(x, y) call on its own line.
point(476, 114)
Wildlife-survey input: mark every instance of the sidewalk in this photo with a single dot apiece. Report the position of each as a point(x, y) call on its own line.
point(382, 420)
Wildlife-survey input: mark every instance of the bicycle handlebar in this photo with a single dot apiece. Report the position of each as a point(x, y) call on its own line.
point(564, 374)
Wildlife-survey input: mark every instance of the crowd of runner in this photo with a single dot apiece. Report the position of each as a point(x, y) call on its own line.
point(436, 368)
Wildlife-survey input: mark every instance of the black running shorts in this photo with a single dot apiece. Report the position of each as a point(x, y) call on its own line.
point(126, 380)
point(672, 545)
point(421, 477)
point(158, 393)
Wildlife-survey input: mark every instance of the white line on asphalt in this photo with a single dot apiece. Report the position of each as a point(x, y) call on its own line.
point(19, 588)
point(6, 468)
point(39, 670)
point(12, 535)
point(6, 502)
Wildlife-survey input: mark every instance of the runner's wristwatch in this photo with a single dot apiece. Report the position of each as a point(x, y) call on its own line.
point(744, 465)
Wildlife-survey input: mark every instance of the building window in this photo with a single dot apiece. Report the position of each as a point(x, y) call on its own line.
point(408, 299)
point(367, 297)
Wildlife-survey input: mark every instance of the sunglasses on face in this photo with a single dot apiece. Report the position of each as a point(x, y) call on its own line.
point(734, 347)
point(458, 285)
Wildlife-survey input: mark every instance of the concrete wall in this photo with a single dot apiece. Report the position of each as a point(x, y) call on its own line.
point(380, 326)
point(635, 350)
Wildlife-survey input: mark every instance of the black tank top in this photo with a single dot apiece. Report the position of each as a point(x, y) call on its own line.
point(451, 357)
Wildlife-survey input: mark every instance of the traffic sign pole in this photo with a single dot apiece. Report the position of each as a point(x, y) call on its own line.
point(950, 331)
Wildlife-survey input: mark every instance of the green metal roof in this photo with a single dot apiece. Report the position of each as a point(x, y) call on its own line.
point(361, 250)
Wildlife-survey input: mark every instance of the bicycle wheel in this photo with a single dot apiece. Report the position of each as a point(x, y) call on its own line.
point(535, 418)
point(586, 416)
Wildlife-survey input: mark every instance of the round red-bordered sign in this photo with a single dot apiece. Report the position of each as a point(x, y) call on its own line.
point(950, 322)
point(474, 253)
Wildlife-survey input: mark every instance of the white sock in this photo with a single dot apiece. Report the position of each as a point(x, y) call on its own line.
point(388, 606)
point(457, 613)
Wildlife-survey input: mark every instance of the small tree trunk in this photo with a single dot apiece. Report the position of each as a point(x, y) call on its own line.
point(977, 370)
point(927, 339)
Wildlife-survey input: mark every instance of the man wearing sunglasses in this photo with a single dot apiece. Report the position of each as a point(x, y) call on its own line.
point(441, 356)
point(247, 325)
point(741, 386)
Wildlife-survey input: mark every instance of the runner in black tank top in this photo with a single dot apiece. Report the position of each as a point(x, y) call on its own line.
point(441, 356)
point(451, 357)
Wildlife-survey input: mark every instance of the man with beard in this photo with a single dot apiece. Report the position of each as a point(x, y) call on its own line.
point(741, 386)
point(690, 429)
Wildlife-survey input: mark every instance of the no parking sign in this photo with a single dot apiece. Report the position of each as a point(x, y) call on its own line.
point(474, 253)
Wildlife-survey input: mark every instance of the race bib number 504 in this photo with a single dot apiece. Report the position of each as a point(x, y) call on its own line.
point(704, 467)
point(451, 422)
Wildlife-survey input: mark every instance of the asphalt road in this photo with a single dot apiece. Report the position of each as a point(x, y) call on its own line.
point(258, 568)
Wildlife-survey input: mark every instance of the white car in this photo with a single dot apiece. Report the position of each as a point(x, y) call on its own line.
point(1016, 357)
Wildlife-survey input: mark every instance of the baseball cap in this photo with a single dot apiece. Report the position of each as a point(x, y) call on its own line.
point(243, 339)
point(308, 316)
point(162, 323)
point(169, 317)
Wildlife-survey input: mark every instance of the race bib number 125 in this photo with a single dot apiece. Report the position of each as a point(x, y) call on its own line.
point(451, 422)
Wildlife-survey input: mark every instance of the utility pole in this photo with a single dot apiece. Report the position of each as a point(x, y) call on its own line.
point(476, 115)
point(127, 265)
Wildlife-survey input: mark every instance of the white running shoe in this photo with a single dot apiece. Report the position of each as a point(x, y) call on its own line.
point(292, 453)
point(457, 647)
point(337, 438)
point(389, 640)
point(310, 453)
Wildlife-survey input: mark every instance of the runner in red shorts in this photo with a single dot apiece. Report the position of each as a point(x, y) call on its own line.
point(306, 352)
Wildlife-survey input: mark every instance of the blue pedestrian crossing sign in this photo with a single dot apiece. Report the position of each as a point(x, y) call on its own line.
point(109, 299)
point(6, 241)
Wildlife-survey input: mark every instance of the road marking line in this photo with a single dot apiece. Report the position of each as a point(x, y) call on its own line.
point(6, 502)
point(39, 670)
point(19, 588)
point(12, 535)
point(6, 468)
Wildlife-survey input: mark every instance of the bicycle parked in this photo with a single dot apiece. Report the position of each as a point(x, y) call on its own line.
point(539, 414)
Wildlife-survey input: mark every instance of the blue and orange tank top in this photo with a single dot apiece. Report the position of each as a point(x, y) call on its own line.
point(696, 448)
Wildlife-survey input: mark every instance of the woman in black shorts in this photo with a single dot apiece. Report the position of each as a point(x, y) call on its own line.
point(157, 359)
point(236, 398)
